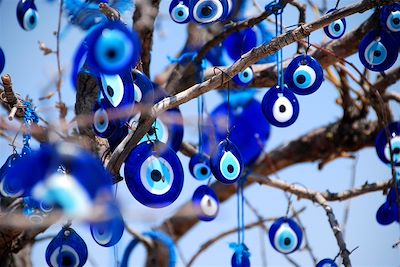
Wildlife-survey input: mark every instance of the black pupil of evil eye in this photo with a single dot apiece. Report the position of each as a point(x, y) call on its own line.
point(156, 175)
point(336, 27)
point(230, 168)
point(206, 11)
point(301, 79)
point(287, 241)
point(282, 108)
point(32, 19)
point(110, 91)
point(111, 53)
point(203, 171)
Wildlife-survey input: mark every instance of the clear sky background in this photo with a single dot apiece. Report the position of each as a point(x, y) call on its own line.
point(34, 75)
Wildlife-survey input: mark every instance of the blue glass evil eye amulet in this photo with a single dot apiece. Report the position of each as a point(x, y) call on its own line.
point(241, 42)
point(390, 19)
point(241, 257)
point(336, 29)
point(118, 91)
point(111, 49)
point(388, 212)
point(103, 125)
point(199, 167)
point(109, 231)
point(285, 235)
point(326, 263)
point(226, 162)
point(280, 106)
point(205, 203)
point(304, 75)
point(382, 144)
point(154, 174)
point(27, 14)
point(66, 249)
point(244, 77)
point(209, 11)
point(378, 50)
point(179, 11)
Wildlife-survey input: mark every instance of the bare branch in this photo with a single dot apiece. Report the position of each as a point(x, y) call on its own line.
point(344, 252)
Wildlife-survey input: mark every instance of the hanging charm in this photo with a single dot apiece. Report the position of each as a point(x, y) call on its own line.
point(304, 75)
point(285, 235)
point(280, 106)
point(154, 174)
point(226, 162)
point(27, 14)
point(205, 203)
point(109, 231)
point(335, 29)
point(66, 249)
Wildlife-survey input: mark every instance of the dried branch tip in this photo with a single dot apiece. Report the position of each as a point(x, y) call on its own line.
point(109, 12)
point(9, 99)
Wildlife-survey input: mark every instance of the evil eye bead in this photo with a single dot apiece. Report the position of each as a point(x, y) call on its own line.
point(387, 213)
point(199, 167)
point(27, 14)
point(226, 162)
point(66, 249)
point(336, 29)
point(243, 262)
point(206, 11)
point(103, 126)
point(382, 144)
point(143, 89)
point(280, 107)
point(2, 60)
point(390, 17)
point(326, 263)
point(7, 189)
point(112, 88)
point(205, 203)
point(113, 48)
point(241, 42)
point(285, 235)
point(154, 174)
point(304, 75)
point(378, 50)
point(245, 77)
point(107, 233)
point(179, 11)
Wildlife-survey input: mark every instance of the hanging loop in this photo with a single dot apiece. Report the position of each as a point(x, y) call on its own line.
point(274, 8)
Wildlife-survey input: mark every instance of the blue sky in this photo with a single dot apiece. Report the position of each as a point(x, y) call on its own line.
point(32, 73)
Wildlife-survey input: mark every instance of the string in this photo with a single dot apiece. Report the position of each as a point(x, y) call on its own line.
point(337, 4)
point(280, 52)
point(200, 104)
point(277, 10)
point(229, 111)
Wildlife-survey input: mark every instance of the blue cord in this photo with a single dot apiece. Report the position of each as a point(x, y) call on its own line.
point(200, 103)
